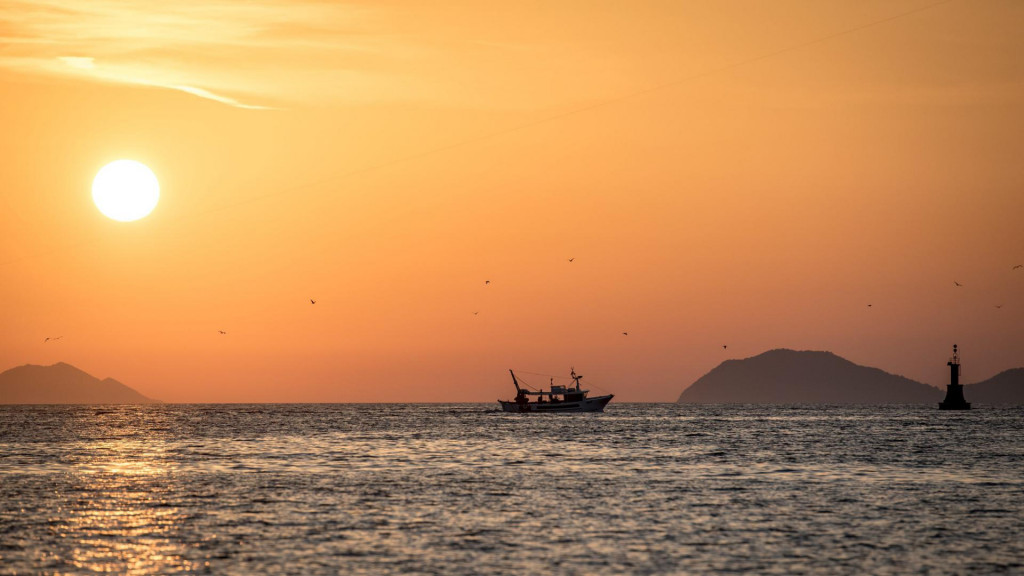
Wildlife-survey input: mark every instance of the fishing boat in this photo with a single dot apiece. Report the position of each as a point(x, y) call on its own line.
point(555, 399)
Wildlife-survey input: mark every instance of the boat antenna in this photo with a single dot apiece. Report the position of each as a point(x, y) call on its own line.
point(572, 373)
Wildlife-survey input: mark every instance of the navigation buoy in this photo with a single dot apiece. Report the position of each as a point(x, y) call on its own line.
point(954, 392)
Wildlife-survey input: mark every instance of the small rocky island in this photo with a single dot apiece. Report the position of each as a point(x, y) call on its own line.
point(804, 377)
point(63, 384)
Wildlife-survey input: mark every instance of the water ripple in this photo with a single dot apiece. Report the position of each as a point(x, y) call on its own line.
point(462, 489)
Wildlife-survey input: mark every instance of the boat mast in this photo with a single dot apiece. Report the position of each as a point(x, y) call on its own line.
point(514, 381)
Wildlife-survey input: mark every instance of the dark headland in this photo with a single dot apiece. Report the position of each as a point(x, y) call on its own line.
point(804, 377)
point(810, 377)
point(1007, 387)
point(63, 384)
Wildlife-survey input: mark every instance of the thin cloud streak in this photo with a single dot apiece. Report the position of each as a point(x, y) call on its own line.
point(266, 55)
point(233, 53)
point(218, 98)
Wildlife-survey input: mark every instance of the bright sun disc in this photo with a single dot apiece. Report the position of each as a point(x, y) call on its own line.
point(125, 190)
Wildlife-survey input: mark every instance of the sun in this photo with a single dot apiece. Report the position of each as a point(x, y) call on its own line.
point(125, 190)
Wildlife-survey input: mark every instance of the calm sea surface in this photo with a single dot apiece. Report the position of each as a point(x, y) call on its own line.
point(461, 489)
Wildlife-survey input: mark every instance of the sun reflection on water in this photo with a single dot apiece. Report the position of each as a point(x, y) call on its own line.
point(457, 490)
point(117, 516)
point(110, 505)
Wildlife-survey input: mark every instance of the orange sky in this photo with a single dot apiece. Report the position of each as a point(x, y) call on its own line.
point(741, 173)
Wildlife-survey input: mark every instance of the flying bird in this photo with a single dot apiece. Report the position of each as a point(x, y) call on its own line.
point(571, 259)
point(999, 305)
point(1017, 266)
point(625, 333)
point(724, 346)
point(869, 305)
point(48, 339)
point(486, 282)
point(957, 283)
point(475, 313)
point(221, 332)
point(311, 301)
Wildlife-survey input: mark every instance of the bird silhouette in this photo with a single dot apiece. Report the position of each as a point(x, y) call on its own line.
point(957, 283)
point(1017, 266)
point(999, 305)
point(571, 259)
point(869, 305)
point(311, 301)
point(221, 332)
point(724, 346)
point(486, 282)
point(475, 313)
point(48, 339)
point(625, 333)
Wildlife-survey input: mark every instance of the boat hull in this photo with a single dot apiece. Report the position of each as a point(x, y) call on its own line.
point(595, 404)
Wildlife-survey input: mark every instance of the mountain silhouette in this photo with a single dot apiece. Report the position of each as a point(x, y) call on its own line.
point(63, 384)
point(804, 377)
point(1007, 387)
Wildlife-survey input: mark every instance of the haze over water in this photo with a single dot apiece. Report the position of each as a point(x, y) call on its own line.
point(461, 489)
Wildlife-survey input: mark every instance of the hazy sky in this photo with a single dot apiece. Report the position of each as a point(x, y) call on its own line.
point(750, 174)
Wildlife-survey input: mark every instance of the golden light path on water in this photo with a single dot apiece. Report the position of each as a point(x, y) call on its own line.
point(121, 525)
point(462, 489)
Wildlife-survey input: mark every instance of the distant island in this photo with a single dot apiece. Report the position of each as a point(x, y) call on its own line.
point(63, 384)
point(811, 377)
point(1007, 387)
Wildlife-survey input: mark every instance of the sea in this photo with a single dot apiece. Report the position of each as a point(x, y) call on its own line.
point(464, 489)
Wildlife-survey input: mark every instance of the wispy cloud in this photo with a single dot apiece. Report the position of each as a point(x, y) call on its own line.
point(264, 54)
point(80, 62)
point(243, 54)
point(218, 98)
